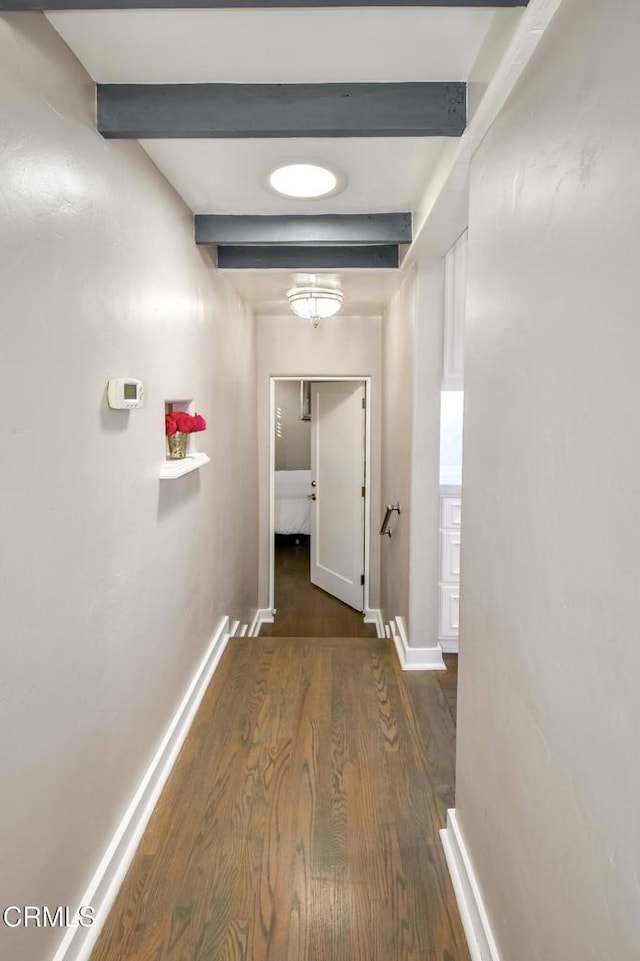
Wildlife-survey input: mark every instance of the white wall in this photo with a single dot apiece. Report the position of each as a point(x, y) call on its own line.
point(111, 582)
point(342, 347)
point(293, 435)
point(548, 778)
point(451, 414)
point(425, 460)
point(398, 332)
point(412, 374)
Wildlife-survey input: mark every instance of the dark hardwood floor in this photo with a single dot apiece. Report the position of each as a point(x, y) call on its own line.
point(300, 822)
point(303, 610)
point(448, 681)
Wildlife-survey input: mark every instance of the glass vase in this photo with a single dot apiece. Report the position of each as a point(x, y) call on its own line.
point(177, 445)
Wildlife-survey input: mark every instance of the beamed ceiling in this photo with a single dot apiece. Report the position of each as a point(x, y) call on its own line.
point(220, 92)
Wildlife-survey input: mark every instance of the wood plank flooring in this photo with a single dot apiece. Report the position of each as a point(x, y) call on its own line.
point(303, 610)
point(300, 821)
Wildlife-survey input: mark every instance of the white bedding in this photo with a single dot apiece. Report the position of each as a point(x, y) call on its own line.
point(292, 504)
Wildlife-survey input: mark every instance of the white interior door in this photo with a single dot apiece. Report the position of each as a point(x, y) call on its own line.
point(338, 476)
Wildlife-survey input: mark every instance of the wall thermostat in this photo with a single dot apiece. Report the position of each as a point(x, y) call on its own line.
point(125, 393)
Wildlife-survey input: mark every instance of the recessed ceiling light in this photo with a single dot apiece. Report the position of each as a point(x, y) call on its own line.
point(303, 180)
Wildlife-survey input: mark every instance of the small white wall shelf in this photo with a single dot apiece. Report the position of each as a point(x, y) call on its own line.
point(177, 468)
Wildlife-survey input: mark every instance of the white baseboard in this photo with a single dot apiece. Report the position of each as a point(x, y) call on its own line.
point(373, 615)
point(263, 615)
point(79, 942)
point(482, 945)
point(414, 658)
point(449, 645)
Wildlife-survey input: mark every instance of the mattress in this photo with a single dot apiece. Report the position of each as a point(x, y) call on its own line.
point(292, 504)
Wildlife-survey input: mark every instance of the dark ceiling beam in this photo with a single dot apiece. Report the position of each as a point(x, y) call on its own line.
point(234, 110)
point(306, 258)
point(346, 229)
point(240, 4)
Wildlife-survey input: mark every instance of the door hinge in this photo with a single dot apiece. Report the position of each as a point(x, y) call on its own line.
point(362, 580)
point(362, 491)
point(364, 403)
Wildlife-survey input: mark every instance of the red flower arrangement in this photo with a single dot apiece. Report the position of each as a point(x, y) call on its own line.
point(180, 420)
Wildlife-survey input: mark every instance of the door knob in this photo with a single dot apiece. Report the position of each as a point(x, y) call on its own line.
point(314, 483)
point(312, 497)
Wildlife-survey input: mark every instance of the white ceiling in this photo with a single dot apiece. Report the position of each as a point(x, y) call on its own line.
point(286, 46)
point(229, 176)
point(275, 45)
point(363, 291)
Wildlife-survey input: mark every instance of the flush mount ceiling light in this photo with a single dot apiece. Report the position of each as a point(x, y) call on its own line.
point(304, 180)
point(314, 303)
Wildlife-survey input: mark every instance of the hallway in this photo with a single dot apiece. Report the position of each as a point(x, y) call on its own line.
point(301, 819)
point(476, 255)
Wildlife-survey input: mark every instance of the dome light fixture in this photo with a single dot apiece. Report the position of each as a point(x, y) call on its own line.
point(303, 180)
point(314, 303)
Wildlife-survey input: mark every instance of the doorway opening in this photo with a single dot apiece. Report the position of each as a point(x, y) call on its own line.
point(319, 506)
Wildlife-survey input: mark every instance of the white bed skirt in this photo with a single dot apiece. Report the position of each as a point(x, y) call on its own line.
point(292, 504)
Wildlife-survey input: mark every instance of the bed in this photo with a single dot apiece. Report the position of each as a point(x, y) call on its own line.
point(292, 504)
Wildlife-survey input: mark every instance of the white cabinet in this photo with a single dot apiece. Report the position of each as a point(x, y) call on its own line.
point(455, 298)
point(450, 557)
point(450, 513)
point(450, 527)
point(449, 615)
